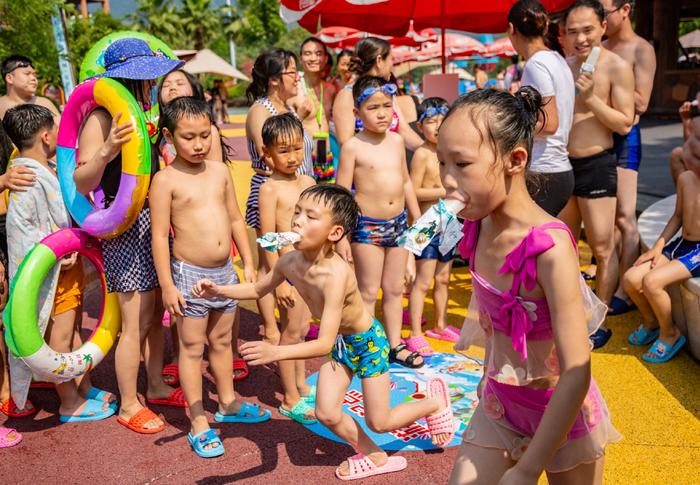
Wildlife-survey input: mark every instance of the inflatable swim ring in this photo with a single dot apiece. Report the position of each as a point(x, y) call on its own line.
point(22, 332)
point(136, 158)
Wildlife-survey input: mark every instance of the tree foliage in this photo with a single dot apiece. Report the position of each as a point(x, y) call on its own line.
point(82, 34)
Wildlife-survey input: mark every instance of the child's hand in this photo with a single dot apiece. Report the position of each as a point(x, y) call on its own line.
point(410, 276)
point(206, 289)
point(118, 135)
point(343, 250)
point(653, 255)
point(285, 295)
point(173, 300)
point(259, 353)
point(305, 108)
point(18, 178)
point(684, 111)
point(249, 273)
point(69, 261)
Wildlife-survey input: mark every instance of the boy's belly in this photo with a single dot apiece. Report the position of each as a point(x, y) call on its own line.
point(202, 239)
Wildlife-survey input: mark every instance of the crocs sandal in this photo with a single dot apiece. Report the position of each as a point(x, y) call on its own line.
point(240, 365)
point(249, 413)
point(662, 352)
point(4, 433)
point(442, 422)
point(203, 439)
point(643, 335)
point(99, 395)
point(138, 421)
point(448, 334)
point(600, 337)
point(310, 398)
point(409, 361)
point(298, 412)
point(418, 343)
point(312, 334)
point(618, 306)
point(9, 408)
point(92, 411)
point(406, 319)
point(360, 466)
point(173, 371)
point(175, 399)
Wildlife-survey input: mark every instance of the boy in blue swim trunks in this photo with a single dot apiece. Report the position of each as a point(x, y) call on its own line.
point(355, 340)
point(194, 198)
point(374, 163)
point(663, 265)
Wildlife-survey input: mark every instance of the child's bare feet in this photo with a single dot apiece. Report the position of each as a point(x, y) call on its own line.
point(379, 458)
point(234, 408)
point(159, 390)
point(77, 408)
point(440, 439)
point(127, 413)
point(292, 409)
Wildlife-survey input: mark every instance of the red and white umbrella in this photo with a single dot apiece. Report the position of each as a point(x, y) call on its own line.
point(500, 48)
point(345, 37)
point(455, 45)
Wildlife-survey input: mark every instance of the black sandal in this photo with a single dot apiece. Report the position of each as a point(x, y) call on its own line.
point(409, 361)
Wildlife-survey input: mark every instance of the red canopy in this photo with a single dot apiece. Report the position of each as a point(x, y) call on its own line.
point(345, 37)
point(500, 48)
point(393, 17)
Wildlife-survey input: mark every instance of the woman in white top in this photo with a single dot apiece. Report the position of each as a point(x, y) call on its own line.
point(548, 72)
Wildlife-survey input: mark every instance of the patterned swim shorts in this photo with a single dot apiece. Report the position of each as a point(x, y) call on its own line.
point(366, 354)
point(380, 232)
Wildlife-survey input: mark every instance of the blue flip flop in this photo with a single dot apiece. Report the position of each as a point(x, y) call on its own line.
point(643, 336)
point(298, 412)
point(249, 413)
point(205, 438)
point(618, 306)
point(99, 395)
point(311, 397)
point(91, 406)
point(600, 337)
point(662, 352)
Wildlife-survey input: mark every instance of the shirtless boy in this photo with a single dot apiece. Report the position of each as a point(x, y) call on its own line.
point(639, 53)
point(283, 139)
point(315, 100)
point(431, 265)
point(355, 340)
point(604, 104)
point(374, 162)
point(196, 198)
point(20, 80)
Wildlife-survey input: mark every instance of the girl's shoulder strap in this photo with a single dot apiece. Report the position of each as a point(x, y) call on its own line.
point(563, 227)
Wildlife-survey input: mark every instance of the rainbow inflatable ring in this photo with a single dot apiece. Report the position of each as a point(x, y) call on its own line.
point(136, 158)
point(22, 331)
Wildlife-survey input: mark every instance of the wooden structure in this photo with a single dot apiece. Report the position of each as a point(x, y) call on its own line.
point(83, 4)
point(657, 21)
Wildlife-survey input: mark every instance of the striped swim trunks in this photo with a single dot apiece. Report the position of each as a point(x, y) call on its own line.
point(186, 275)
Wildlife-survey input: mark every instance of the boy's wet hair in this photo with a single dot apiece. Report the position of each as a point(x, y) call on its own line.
point(435, 102)
point(24, 122)
point(13, 62)
point(594, 5)
point(508, 119)
point(366, 82)
point(345, 210)
point(182, 107)
point(278, 128)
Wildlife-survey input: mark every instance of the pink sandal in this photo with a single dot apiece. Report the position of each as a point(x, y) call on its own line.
point(448, 334)
point(4, 432)
point(442, 422)
point(416, 343)
point(360, 466)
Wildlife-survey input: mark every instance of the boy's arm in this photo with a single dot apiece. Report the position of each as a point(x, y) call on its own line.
point(419, 164)
point(238, 228)
point(205, 288)
point(159, 199)
point(260, 352)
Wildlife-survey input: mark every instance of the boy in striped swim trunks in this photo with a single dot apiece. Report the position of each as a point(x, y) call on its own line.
point(195, 197)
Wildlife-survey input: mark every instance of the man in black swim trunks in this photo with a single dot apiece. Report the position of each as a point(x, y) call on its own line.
point(604, 104)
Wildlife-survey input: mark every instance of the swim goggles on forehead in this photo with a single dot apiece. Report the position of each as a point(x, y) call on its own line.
point(388, 89)
point(432, 112)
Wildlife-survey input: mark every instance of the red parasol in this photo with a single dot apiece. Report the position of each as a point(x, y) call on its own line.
point(455, 45)
point(500, 48)
point(393, 17)
point(345, 37)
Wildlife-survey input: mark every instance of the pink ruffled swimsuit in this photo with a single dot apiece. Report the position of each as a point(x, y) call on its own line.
point(521, 350)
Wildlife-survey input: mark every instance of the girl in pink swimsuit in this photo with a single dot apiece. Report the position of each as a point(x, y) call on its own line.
point(539, 409)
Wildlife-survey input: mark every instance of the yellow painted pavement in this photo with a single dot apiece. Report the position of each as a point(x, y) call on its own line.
point(655, 406)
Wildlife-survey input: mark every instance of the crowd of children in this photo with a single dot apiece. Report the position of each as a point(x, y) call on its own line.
point(539, 408)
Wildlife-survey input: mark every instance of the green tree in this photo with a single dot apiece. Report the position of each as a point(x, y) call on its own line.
point(201, 23)
point(83, 34)
point(25, 28)
point(686, 26)
point(159, 18)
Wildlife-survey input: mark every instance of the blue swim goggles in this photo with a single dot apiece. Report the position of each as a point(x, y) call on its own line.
point(388, 89)
point(432, 112)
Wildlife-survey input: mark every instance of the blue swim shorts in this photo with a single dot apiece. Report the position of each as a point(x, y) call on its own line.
point(628, 148)
point(365, 354)
point(432, 251)
point(380, 232)
point(687, 252)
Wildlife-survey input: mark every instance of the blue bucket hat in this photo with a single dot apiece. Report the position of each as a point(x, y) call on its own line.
point(133, 59)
